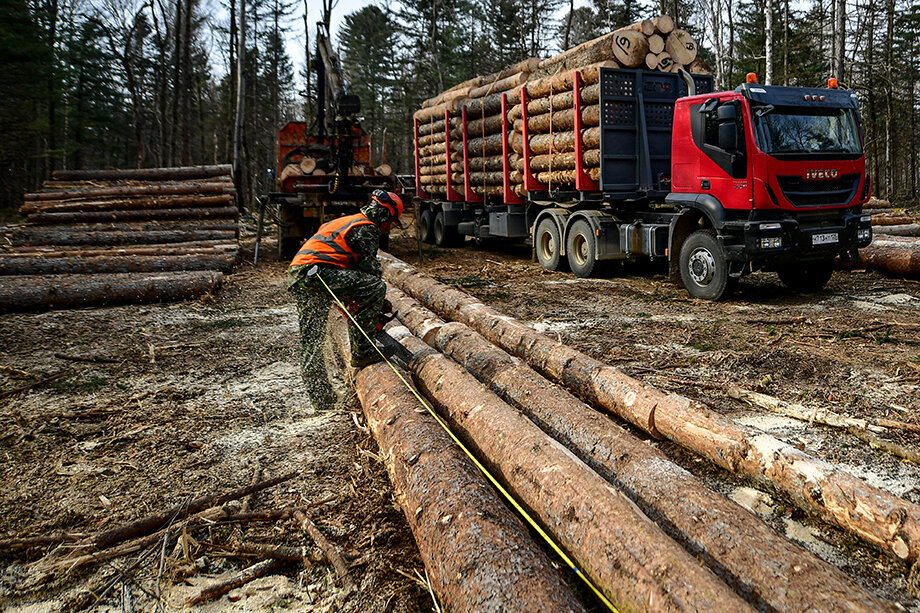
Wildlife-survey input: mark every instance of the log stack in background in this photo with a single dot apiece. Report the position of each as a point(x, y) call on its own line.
point(97, 237)
point(895, 247)
point(651, 44)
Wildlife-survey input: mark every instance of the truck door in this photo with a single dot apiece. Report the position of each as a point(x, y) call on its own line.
point(718, 132)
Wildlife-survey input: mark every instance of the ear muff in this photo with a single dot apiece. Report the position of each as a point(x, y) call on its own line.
point(391, 201)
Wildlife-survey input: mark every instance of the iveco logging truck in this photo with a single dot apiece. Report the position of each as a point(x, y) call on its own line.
point(718, 184)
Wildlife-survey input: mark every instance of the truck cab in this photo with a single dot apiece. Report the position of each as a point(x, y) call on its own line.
point(773, 178)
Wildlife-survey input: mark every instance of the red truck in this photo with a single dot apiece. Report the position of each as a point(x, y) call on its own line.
point(718, 184)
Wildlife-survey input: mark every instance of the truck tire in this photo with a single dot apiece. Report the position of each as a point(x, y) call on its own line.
point(548, 245)
point(288, 248)
point(426, 226)
point(703, 267)
point(444, 235)
point(581, 249)
point(806, 276)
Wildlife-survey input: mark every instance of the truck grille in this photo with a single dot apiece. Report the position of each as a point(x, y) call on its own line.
point(829, 192)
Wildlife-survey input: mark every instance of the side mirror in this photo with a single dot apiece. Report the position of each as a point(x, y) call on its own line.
point(727, 112)
point(728, 136)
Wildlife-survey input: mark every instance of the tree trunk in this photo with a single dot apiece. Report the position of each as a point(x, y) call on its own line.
point(74, 291)
point(449, 505)
point(768, 48)
point(239, 168)
point(223, 262)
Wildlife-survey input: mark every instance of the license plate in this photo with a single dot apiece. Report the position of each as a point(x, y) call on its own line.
point(824, 239)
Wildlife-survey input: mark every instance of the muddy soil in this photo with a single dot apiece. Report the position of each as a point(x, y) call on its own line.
point(158, 404)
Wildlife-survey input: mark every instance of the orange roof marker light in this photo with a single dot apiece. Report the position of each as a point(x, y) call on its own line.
point(751, 77)
point(832, 83)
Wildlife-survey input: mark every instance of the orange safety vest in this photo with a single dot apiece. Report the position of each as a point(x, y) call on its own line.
point(328, 245)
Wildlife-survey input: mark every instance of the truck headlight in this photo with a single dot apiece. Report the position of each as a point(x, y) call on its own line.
point(866, 219)
point(771, 243)
point(771, 226)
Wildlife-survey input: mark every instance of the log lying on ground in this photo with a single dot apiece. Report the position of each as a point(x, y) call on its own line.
point(106, 234)
point(878, 517)
point(902, 230)
point(628, 557)
point(469, 541)
point(165, 174)
point(898, 261)
point(889, 219)
point(767, 570)
point(161, 202)
point(164, 189)
point(223, 262)
point(224, 212)
point(75, 251)
point(34, 293)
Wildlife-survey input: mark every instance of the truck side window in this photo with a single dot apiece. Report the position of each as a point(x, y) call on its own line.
point(705, 129)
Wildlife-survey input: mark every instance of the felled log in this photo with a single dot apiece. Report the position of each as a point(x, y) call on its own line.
point(430, 127)
point(437, 111)
point(630, 47)
point(889, 522)
point(91, 234)
point(94, 250)
point(428, 139)
point(699, 66)
point(891, 219)
point(52, 185)
point(681, 47)
point(487, 178)
point(384, 170)
point(499, 86)
point(488, 190)
point(902, 230)
point(768, 570)
point(38, 265)
point(560, 120)
point(628, 557)
point(561, 82)
point(228, 212)
point(433, 179)
point(797, 411)
point(36, 293)
point(904, 262)
point(489, 164)
point(659, 61)
point(646, 27)
point(478, 127)
point(566, 176)
point(560, 141)
point(468, 540)
point(589, 95)
point(291, 170)
point(564, 161)
point(158, 202)
point(433, 149)
point(164, 174)
point(663, 24)
point(490, 145)
point(131, 190)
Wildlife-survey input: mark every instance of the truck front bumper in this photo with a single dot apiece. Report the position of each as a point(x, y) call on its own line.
point(787, 238)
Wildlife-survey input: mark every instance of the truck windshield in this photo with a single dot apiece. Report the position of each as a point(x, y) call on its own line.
point(793, 130)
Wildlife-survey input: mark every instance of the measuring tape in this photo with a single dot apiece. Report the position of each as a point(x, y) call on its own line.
point(514, 503)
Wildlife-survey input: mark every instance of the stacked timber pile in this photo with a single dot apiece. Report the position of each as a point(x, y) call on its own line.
point(652, 44)
point(895, 246)
point(309, 166)
point(655, 537)
point(97, 237)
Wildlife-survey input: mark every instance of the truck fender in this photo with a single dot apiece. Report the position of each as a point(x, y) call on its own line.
point(559, 216)
point(696, 211)
point(598, 220)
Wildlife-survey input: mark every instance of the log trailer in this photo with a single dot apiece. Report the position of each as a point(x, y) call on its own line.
point(324, 171)
point(716, 184)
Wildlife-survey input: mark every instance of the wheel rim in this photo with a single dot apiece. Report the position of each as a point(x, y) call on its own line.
point(580, 249)
point(702, 266)
point(547, 246)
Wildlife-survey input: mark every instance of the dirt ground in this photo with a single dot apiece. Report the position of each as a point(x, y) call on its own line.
point(163, 403)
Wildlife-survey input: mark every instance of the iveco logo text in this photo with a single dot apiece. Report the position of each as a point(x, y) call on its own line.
point(826, 173)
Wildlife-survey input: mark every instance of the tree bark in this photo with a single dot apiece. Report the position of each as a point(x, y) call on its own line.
point(430, 127)
point(561, 120)
point(901, 230)
point(501, 85)
point(162, 202)
point(228, 212)
point(38, 293)
point(67, 235)
point(164, 174)
point(167, 189)
point(898, 261)
point(768, 46)
point(561, 82)
point(478, 127)
point(452, 510)
point(564, 161)
point(116, 264)
point(490, 145)
point(559, 142)
point(566, 176)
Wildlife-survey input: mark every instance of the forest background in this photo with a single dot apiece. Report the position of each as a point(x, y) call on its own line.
point(140, 83)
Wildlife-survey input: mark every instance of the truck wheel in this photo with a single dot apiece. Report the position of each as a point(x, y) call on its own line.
point(703, 267)
point(288, 248)
point(548, 245)
point(426, 226)
point(807, 276)
point(581, 249)
point(444, 235)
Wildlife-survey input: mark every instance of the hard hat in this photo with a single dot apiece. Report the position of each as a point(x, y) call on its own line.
point(391, 201)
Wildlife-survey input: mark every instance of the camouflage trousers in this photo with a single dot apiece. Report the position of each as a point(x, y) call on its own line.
point(313, 304)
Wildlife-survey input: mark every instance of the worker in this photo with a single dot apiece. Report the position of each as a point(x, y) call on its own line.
point(344, 252)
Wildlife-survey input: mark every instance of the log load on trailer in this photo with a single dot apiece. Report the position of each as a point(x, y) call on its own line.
point(327, 170)
point(611, 161)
